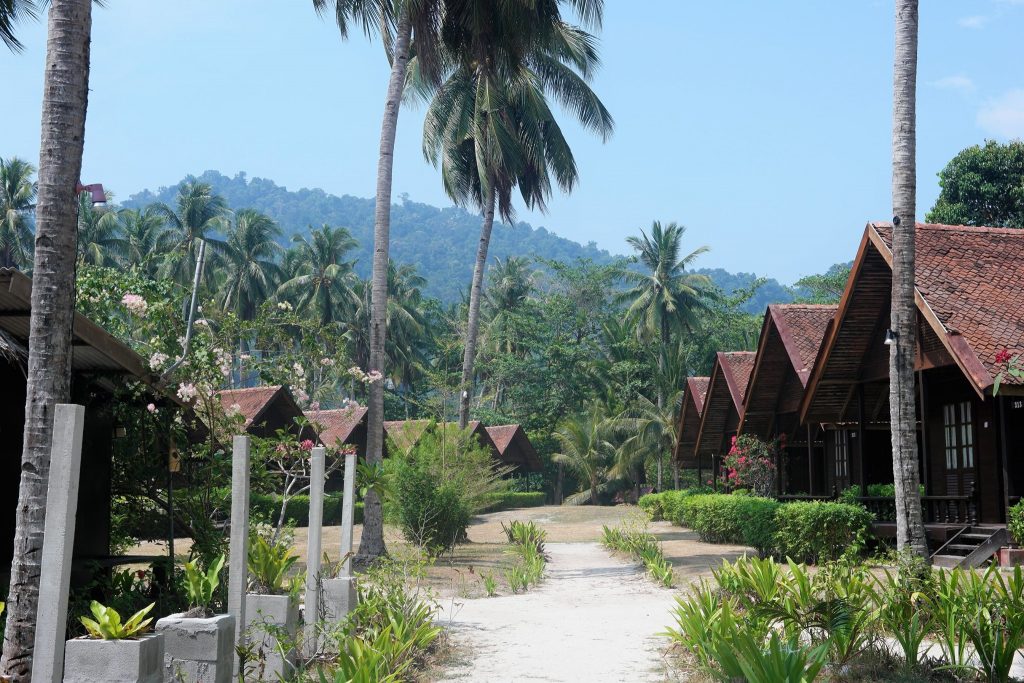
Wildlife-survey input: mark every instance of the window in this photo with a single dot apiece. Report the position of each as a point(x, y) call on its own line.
point(841, 451)
point(958, 428)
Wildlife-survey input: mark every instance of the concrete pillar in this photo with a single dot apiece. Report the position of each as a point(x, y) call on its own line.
point(58, 543)
point(348, 514)
point(313, 547)
point(238, 568)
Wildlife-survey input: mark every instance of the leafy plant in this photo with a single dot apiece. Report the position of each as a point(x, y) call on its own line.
point(269, 564)
point(904, 614)
point(490, 584)
point(525, 534)
point(1015, 522)
point(200, 586)
point(107, 623)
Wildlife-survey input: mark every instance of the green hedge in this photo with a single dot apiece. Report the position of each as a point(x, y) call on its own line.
point(667, 504)
point(804, 531)
point(268, 506)
point(507, 500)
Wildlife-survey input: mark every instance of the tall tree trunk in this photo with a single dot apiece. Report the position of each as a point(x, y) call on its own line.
point(475, 293)
point(371, 544)
point(65, 94)
point(661, 384)
point(910, 535)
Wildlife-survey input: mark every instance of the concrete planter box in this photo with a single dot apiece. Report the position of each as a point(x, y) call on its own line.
point(265, 617)
point(1011, 557)
point(198, 650)
point(339, 598)
point(140, 660)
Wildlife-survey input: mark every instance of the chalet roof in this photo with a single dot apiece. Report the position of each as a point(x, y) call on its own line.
point(337, 425)
point(265, 409)
point(723, 403)
point(969, 307)
point(690, 409)
point(405, 434)
point(789, 343)
point(514, 447)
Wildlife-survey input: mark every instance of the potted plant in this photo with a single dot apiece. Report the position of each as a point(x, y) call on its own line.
point(271, 610)
point(1012, 555)
point(198, 644)
point(115, 651)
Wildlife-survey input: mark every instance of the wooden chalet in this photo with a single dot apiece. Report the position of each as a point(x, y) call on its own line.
point(723, 406)
point(690, 409)
point(970, 306)
point(266, 410)
point(513, 447)
point(341, 426)
point(790, 339)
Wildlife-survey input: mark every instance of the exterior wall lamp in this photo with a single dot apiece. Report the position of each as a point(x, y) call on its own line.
point(891, 338)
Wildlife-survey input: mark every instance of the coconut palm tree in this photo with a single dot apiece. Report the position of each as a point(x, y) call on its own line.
point(198, 214)
point(401, 25)
point(11, 12)
point(65, 95)
point(17, 199)
point(146, 238)
point(99, 234)
point(585, 446)
point(489, 125)
point(247, 264)
point(319, 278)
point(910, 533)
point(511, 284)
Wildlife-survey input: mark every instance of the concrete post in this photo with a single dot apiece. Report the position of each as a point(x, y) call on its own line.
point(238, 567)
point(313, 547)
point(348, 514)
point(58, 543)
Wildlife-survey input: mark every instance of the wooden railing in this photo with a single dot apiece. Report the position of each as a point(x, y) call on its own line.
point(936, 509)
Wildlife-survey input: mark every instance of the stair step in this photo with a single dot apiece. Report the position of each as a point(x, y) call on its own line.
point(975, 537)
point(962, 547)
point(946, 560)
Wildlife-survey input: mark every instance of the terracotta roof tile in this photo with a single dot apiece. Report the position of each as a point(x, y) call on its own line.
point(502, 436)
point(250, 402)
point(970, 277)
point(737, 366)
point(337, 425)
point(802, 327)
point(697, 389)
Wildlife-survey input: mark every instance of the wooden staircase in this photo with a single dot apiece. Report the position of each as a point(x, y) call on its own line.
point(972, 546)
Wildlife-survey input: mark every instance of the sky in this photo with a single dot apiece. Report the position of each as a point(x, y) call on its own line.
point(763, 127)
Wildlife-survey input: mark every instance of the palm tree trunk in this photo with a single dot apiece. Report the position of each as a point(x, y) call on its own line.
point(910, 535)
point(371, 545)
point(475, 292)
point(65, 94)
point(661, 384)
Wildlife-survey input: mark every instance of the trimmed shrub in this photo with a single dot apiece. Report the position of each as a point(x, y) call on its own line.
point(653, 506)
point(433, 514)
point(719, 518)
point(668, 504)
point(268, 506)
point(508, 500)
point(818, 531)
point(1015, 523)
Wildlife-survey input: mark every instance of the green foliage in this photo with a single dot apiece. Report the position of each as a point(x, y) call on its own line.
point(826, 288)
point(818, 531)
point(200, 586)
point(433, 515)
point(490, 583)
point(1015, 522)
point(527, 547)
point(643, 547)
point(525, 534)
point(982, 185)
point(269, 564)
point(510, 500)
point(107, 623)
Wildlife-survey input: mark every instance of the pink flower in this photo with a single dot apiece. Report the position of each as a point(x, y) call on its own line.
point(135, 304)
point(151, 408)
point(281, 448)
point(1002, 355)
point(306, 445)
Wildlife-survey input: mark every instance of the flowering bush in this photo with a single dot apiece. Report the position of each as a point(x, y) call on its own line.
point(750, 465)
point(1014, 367)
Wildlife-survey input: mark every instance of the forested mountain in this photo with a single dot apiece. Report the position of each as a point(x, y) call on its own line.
point(441, 243)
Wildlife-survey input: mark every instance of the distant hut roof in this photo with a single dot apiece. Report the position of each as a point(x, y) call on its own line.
point(690, 410)
point(337, 425)
point(515, 448)
point(405, 434)
point(265, 409)
point(723, 403)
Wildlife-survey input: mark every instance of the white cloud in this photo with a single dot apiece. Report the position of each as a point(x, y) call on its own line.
point(976, 21)
point(1004, 115)
point(957, 82)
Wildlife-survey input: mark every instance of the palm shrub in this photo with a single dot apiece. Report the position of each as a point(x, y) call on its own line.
point(269, 564)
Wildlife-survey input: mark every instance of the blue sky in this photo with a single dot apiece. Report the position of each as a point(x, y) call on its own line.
point(764, 127)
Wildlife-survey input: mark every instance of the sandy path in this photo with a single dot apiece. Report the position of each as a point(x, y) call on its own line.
point(594, 618)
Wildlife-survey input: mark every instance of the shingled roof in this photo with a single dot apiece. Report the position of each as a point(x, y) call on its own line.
point(688, 424)
point(337, 425)
point(266, 409)
point(789, 343)
point(723, 403)
point(514, 447)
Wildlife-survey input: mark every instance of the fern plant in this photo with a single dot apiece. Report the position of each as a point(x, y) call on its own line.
point(107, 624)
point(199, 585)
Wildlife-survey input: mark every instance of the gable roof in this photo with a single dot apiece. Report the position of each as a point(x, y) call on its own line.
point(790, 338)
point(723, 403)
point(265, 409)
point(514, 447)
point(969, 307)
point(337, 425)
point(688, 424)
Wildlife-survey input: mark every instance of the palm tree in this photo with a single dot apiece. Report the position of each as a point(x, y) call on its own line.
point(17, 199)
point(491, 129)
point(198, 214)
point(666, 297)
point(65, 94)
point(12, 11)
point(247, 264)
point(398, 22)
point(146, 238)
point(319, 277)
point(511, 284)
point(99, 234)
point(910, 534)
point(585, 446)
